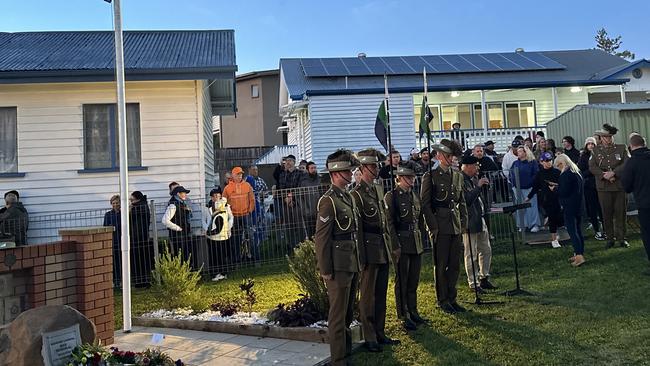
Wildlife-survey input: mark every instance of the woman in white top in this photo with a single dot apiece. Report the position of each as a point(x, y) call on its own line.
point(218, 221)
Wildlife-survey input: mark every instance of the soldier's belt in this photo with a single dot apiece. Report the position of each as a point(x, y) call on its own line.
point(346, 236)
point(406, 227)
point(451, 206)
point(372, 230)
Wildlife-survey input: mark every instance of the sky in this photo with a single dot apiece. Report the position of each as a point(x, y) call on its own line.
point(266, 31)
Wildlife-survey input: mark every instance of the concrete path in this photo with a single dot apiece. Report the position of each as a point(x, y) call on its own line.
point(207, 349)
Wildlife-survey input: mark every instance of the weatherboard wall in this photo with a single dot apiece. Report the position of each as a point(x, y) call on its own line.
point(349, 122)
point(50, 143)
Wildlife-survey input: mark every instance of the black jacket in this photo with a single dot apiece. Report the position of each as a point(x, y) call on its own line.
point(587, 176)
point(545, 197)
point(636, 177)
point(573, 154)
point(475, 206)
point(140, 220)
point(14, 223)
point(570, 192)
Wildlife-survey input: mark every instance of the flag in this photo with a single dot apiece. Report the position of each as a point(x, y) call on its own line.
point(381, 126)
point(425, 118)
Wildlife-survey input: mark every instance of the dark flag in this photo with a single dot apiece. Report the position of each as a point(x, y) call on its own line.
point(425, 118)
point(381, 126)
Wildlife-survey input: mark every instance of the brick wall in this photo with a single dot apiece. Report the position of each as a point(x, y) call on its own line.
point(77, 271)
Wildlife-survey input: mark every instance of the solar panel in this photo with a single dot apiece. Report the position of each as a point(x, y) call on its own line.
point(441, 64)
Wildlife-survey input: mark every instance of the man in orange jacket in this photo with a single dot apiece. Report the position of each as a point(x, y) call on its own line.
point(241, 197)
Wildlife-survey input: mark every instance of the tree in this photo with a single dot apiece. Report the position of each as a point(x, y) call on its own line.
point(611, 45)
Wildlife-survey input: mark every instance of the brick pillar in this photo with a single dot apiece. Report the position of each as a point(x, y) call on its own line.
point(94, 271)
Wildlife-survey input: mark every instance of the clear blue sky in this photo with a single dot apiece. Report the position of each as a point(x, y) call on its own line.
point(268, 30)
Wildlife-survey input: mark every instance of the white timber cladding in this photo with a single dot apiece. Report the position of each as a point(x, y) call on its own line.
point(307, 146)
point(51, 145)
point(348, 121)
point(207, 129)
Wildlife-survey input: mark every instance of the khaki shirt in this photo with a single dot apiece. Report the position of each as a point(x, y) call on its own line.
point(337, 233)
point(443, 202)
point(605, 159)
point(406, 218)
point(375, 248)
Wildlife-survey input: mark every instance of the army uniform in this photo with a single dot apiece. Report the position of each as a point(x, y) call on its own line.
point(611, 195)
point(336, 241)
point(445, 214)
point(374, 254)
point(405, 217)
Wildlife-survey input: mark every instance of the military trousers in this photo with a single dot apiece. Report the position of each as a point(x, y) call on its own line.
point(372, 305)
point(407, 279)
point(479, 259)
point(448, 253)
point(341, 291)
point(614, 206)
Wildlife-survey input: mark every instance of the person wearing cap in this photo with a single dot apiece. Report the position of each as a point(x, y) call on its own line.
point(404, 217)
point(510, 157)
point(478, 257)
point(522, 177)
point(177, 219)
point(547, 197)
point(14, 220)
point(489, 151)
point(607, 164)
point(426, 163)
point(337, 253)
point(241, 197)
point(260, 189)
point(445, 213)
point(636, 180)
point(457, 134)
point(375, 251)
point(594, 212)
point(311, 192)
point(290, 215)
point(415, 155)
point(569, 145)
point(218, 222)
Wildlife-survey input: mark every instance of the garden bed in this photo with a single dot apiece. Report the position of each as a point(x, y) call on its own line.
point(254, 325)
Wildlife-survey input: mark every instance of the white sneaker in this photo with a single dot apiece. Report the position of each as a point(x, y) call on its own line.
point(556, 244)
point(219, 277)
point(535, 229)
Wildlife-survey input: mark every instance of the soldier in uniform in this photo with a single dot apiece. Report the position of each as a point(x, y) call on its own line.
point(374, 251)
point(606, 164)
point(445, 214)
point(405, 218)
point(336, 240)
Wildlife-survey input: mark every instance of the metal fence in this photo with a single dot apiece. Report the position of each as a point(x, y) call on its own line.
point(278, 221)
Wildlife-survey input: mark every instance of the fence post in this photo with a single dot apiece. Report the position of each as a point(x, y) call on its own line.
point(520, 199)
point(154, 227)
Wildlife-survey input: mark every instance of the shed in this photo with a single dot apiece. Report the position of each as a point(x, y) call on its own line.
point(582, 120)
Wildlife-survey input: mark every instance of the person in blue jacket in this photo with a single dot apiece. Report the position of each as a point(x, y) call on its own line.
point(569, 189)
point(522, 175)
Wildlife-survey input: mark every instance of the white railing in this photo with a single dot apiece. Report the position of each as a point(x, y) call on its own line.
point(502, 137)
point(275, 155)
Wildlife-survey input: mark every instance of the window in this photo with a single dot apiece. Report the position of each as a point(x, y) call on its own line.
point(456, 114)
point(255, 91)
point(434, 124)
point(101, 136)
point(495, 116)
point(8, 140)
point(520, 114)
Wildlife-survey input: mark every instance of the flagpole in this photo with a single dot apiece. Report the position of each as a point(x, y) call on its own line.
point(389, 140)
point(428, 132)
point(124, 161)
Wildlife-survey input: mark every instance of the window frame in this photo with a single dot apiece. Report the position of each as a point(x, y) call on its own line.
point(14, 173)
point(254, 88)
point(113, 131)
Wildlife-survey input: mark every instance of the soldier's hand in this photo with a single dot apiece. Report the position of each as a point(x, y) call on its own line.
point(397, 253)
point(327, 277)
point(483, 181)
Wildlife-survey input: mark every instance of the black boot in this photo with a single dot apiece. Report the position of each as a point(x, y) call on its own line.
point(383, 339)
point(610, 244)
point(447, 308)
point(624, 244)
point(458, 308)
point(409, 324)
point(417, 319)
point(487, 285)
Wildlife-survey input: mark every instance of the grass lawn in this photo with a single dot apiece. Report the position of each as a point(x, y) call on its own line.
point(597, 314)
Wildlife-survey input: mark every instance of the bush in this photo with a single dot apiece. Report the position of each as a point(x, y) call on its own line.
point(226, 307)
point(303, 312)
point(250, 298)
point(174, 279)
point(303, 267)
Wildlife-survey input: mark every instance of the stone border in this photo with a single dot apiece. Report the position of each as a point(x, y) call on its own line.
point(306, 334)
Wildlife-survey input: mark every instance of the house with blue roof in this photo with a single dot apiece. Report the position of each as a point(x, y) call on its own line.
point(58, 129)
point(328, 103)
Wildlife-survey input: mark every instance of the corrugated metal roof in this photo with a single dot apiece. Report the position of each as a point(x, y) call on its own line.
point(618, 106)
point(93, 50)
point(582, 68)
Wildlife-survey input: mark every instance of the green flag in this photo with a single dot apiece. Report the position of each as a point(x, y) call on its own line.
point(425, 118)
point(381, 126)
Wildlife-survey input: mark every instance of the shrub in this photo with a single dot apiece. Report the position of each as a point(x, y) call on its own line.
point(226, 307)
point(174, 279)
point(303, 312)
point(304, 268)
point(250, 298)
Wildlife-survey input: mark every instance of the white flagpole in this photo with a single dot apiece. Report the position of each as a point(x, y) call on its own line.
point(124, 165)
